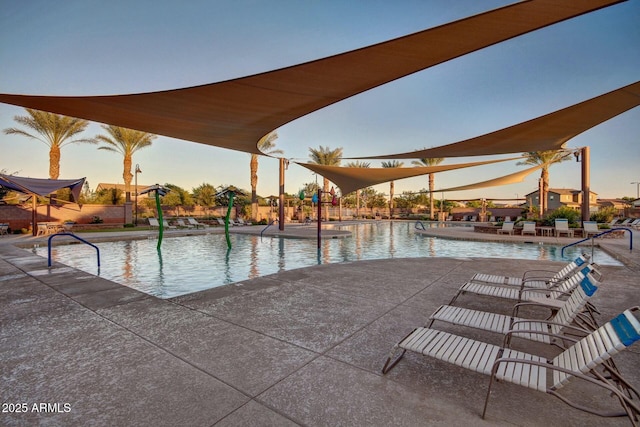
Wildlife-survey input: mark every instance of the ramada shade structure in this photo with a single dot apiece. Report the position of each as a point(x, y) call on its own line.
point(40, 187)
point(235, 114)
point(548, 132)
point(352, 179)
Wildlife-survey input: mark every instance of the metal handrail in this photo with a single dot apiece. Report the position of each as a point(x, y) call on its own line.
point(598, 235)
point(268, 225)
point(75, 237)
point(421, 225)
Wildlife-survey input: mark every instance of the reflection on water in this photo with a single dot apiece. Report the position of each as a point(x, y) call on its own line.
point(190, 264)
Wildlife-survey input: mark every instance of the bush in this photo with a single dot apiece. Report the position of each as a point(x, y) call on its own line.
point(563, 212)
point(96, 220)
point(129, 225)
point(604, 214)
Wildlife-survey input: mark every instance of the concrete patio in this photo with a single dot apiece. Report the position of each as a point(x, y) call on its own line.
point(302, 347)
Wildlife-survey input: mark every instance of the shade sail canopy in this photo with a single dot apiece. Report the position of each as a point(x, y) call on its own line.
point(503, 180)
point(235, 114)
point(352, 179)
point(41, 187)
point(548, 132)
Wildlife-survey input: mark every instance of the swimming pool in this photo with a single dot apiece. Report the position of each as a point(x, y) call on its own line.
point(194, 263)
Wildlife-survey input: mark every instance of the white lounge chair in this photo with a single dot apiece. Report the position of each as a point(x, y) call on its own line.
point(182, 224)
point(578, 362)
point(566, 313)
point(534, 278)
point(241, 221)
point(590, 227)
point(562, 227)
point(634, 224)
point(507, 227)
point(221, 221)
point(4, 229)
point(625, 222)
point(529, 227)
point(196, 224)
point(552, 296)
point(165, 223)
point(153, 223)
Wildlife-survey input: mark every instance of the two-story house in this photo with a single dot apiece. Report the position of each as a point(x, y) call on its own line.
point(557, 197)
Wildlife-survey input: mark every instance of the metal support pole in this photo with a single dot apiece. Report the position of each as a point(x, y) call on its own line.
point(281, 195)
point(319, 216)
point(586, 191)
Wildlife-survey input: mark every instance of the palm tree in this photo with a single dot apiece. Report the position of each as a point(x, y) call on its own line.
point(54, 130)
point(545, 158)
point(391, 164)
point(266, 145)
point(429, 162)
point(126, 142)
point(325, 156)
point(358, 164)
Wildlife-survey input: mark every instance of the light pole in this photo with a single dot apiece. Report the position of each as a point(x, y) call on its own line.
point(637, 189)
point(137, 171)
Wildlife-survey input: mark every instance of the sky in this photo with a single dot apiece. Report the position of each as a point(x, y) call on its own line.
point(91, 47)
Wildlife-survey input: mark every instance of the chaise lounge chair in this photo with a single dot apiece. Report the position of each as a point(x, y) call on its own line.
point(182, 224)
point(530, 329)
point(580, 361)
point(507, 227)
point(529, 227)
point(534, 278)
point(153, 223)
point(196, 224)
point(562, 227)
point(590, 228)
point(551, 294)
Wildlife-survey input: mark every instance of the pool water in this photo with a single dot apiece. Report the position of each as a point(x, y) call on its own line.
point(194, 263)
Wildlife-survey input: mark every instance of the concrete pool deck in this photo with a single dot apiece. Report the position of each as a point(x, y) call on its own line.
point(302, 347)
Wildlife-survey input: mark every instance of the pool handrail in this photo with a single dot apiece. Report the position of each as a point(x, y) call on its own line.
point(75, 237)
point(268, 225)
point(598, 235)
point(421, 225)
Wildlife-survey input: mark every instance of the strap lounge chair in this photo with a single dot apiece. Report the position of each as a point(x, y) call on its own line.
point(529, 227)
point(195, 223)
point(562, 227)
point(507, 227)
point(182, 224)
point(530, 329)
point(590, 228)
point(551, 295)
point(582, 361)
point(534, 278)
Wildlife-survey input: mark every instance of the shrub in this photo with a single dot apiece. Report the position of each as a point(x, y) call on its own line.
point(604, 214)
point(96, 220)
point(563, 212)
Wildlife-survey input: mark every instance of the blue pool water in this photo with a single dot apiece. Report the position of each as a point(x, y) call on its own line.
point(194, 263)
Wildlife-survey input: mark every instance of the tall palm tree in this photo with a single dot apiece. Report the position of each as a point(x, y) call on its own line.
point(266, 145)
point(392, 164)
point(429, 162)
point(54, 130)
point(358, 164)
point(545, 158)
point(126, 142)
point(325, 156)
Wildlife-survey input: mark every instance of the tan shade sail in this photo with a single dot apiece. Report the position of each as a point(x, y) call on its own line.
point(549, 132)
point(513, 178)
point(352, 179)
point(235, 114)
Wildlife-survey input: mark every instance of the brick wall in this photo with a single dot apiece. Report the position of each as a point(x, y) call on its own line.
point(20, 216)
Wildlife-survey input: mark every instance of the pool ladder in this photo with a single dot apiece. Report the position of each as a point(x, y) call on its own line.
point(598, 235)
point(75, 237)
